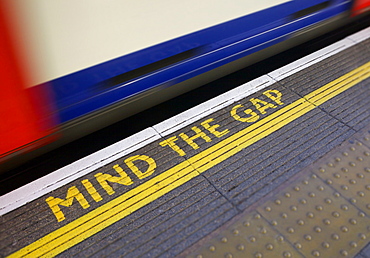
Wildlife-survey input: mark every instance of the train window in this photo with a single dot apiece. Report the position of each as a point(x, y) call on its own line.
point(311, 9)
point(125, 77)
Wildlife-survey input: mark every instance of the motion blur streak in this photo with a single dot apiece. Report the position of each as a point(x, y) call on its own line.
point(26, 118)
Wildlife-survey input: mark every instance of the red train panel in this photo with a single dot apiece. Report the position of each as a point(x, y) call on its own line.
point(22, 111)
point(360, 6)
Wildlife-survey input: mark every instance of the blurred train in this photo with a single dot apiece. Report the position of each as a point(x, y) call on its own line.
point(69, 68)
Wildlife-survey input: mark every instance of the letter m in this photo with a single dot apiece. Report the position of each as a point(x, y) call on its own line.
point(72, 193)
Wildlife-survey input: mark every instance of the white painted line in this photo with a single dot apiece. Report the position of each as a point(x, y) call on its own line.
point(77, 169)
point(311, 59)
point(360, 36)
point(67, 174)
point(193, 114)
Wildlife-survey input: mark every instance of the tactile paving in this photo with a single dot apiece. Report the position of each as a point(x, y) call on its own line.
point(324, 212)
point(250, 236)
point(317, 219)
point(348, 172)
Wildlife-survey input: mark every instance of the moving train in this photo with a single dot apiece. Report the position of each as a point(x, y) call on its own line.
point(72, 67)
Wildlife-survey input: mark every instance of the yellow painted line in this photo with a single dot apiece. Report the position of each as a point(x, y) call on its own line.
point(235, 143)
point(113, 211)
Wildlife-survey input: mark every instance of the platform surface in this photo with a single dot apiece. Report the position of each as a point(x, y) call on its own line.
point(278, 167)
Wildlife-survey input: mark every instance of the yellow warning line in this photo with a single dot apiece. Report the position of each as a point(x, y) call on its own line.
point(113, 211)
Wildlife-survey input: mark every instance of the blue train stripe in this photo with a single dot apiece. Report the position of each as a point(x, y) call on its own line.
point(81, 92)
